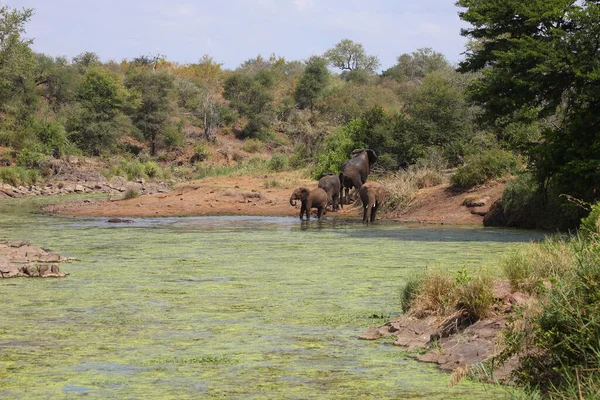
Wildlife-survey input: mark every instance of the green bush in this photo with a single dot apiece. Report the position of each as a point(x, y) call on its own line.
point(560, 348)
point(279, 162)
point(201, 153)
point(151, 169)
point(132, 170)
point(253, 146)
point(31, 157)
point(17, 176)
point(487, 165)
point(590, 225)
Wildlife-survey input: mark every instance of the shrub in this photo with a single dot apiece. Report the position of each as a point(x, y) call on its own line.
point(279, 162)
point(151, 169)
point(132, 169)
point(414, 285)
point(17, 176)
point(482, 167)
point(474, 294)
point(201, 153)
point(559, 350)
point(590, 225)
point(253, 146)
point(130, 193)
point(31, 157)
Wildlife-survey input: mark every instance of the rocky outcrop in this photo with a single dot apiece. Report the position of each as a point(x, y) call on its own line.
point(21, 259)
point(114, 188)
point(455, 341)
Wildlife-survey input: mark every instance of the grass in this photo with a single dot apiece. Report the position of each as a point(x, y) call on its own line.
point(19, 176)
point(404, 185)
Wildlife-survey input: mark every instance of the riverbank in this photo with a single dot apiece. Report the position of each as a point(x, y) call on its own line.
point(268, 195)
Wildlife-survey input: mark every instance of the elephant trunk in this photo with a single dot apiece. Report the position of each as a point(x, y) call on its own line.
point(292, 201)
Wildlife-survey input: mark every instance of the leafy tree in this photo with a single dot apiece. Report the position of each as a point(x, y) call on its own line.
point(153, 89)
point(94, 125)
point(416, 65)
point(312, 83)
point(17, 63)
point(253, 98)
point(86, 60)
point(56, 80)
point(542, 57)
point(351, 56)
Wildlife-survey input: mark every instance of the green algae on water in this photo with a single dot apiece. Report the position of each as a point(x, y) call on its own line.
point(231, 307)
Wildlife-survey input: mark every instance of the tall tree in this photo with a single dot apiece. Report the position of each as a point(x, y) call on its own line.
point(312, 83)
point(350, 56)
point(152, 114)
point(17, 63)
point(543, 56)
point(416, 65)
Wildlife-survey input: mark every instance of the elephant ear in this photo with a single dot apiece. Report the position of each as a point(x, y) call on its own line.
point(356, 152)
point(303, 192)
point(372, 156)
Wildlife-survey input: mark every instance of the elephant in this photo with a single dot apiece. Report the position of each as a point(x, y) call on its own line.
point(355, 171)
point(316, 198)
point(330, 183)
point(372, 194)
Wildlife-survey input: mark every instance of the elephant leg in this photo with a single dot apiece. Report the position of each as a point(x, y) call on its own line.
point(320, 212)
point(365, 213)
point(302, 209)
point(374, 211)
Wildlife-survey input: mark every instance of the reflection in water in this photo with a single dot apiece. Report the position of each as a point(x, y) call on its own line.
point(235, 307)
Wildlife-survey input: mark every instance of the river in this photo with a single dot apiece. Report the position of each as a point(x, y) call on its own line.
point(229, 307)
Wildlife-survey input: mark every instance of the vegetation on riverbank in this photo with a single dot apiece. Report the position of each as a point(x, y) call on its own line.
point(555, 334)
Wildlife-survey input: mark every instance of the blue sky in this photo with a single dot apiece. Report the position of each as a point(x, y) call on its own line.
point(232, 31)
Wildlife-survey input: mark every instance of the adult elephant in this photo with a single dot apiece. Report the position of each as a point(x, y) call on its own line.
point(316, 198)
point(372, 194)
point(355, 172)
point(330, 183)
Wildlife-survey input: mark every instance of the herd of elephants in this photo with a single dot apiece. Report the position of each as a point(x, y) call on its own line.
point(334, 190)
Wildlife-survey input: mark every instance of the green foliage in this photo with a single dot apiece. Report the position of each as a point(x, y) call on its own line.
point(253, 146)
point(279, 162)
point(482, 167)
point(351, 56)
point(559, 349)
point(413, 287)
point(338, 147)
point(31, 156)
point(417, 65)
point(539, 59)
point(150, 117)
point(312, 83)
point(253, 98)
point(17, 176)
point(200, 153)
point(151, 169)
point(590, 225)
point(527, 204)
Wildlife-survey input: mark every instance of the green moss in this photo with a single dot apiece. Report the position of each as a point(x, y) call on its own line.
point(235, 307)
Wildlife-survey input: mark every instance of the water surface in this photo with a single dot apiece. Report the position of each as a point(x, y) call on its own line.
point(231, 307)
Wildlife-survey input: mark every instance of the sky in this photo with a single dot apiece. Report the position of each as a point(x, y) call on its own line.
point(233, 31)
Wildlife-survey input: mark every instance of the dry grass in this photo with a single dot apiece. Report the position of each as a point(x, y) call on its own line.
point(529, 268)
point(403, 185)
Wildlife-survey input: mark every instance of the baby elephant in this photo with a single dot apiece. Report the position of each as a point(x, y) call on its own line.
point(372, 195)
point(316, 198)
point(330, 183)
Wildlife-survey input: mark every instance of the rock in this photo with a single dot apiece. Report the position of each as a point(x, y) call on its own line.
point(120, 221)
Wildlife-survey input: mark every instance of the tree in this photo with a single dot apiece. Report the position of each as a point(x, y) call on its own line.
point(350, 56)
point(312, 83)
point(17, 63)
point(153, 89)
point(253, 98)
point(543, 57)
point(416, 65)
point(101, 95)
